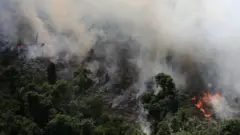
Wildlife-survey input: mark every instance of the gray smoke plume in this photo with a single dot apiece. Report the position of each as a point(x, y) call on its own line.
point(201, 38)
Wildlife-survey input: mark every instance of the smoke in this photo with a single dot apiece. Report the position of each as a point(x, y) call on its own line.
point(201, 36)
point(222, 108)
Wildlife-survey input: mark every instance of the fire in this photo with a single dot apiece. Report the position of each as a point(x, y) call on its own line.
point(194, 98)
point(205, 101)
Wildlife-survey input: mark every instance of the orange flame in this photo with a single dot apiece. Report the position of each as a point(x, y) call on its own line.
point(194, 98)
point(206, 100)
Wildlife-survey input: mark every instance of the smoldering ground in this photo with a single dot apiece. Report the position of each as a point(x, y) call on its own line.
point(201, 36)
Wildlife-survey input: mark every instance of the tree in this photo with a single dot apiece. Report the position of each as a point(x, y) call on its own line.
point(52, 77)
point(61, 94)
point(163, 129)
point(166, 83)
point(62, 125)
point(183, 133)
point(37, 106)
point(231, 127)
point(164, 102)
point(91, 106)
point(36, 103)
point(82, 80)
point(111, 125)
point(18, 125)
point(10, 77)
point(175, 125)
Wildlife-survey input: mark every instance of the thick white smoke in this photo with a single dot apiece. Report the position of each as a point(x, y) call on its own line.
point(197, 32)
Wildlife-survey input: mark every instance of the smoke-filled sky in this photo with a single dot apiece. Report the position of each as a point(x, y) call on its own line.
point(199, 33)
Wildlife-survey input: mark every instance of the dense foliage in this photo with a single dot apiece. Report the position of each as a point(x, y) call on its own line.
point(171, 112)
point(31, 105)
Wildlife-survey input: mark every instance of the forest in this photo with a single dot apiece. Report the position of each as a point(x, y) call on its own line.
point(35, 100)
point(119, 67)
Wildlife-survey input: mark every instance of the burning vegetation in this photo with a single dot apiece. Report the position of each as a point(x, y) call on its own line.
point(88, 97)
point(205, 102)
point(98, 94)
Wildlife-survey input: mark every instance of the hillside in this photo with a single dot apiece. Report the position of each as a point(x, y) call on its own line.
point(85, 104)
point(119, 67)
